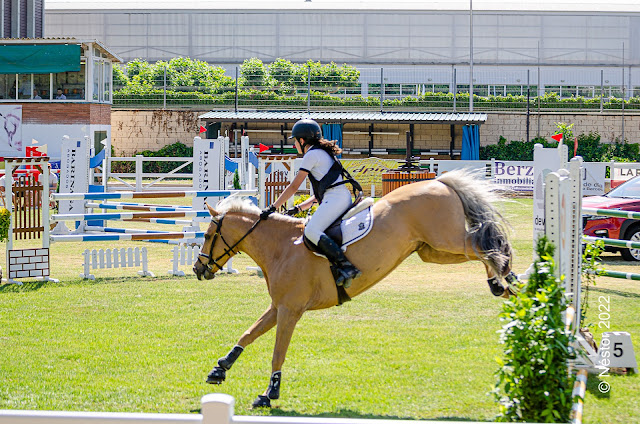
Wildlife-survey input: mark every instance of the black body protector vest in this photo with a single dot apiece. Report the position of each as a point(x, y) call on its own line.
point(329, 180)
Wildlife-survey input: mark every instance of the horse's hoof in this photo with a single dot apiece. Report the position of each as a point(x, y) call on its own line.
point(216, 376)
point(261, 402)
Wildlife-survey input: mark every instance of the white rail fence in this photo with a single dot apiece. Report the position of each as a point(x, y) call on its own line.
point(216, 408)
point(115, 258)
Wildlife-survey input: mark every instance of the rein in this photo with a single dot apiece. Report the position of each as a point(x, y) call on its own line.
point(227, 251)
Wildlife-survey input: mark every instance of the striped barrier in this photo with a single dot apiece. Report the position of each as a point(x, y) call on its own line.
point(579, 391)
point(125, 216)
point(131, 237)
point(613, 242)
point(609, 212)
point(151, 194)
point(136, 207)
point(134, 231)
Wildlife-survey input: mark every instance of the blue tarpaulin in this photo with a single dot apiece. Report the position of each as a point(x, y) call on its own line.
point(333, 132)
point(470, 142)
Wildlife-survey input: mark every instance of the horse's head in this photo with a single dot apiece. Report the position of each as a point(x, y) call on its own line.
point(213, 254)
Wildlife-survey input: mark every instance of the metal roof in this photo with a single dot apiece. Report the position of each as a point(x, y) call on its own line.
point(369, 117)
point(63, 40)
point(354, 5)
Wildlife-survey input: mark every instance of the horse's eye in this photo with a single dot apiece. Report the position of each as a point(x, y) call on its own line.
point(207, 237)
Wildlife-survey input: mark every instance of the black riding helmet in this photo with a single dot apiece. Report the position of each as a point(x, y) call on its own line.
point(307, 129)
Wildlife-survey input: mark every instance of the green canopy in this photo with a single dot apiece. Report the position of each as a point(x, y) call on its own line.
point(39, 59)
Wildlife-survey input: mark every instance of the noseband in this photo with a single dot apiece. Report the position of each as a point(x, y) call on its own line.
point(228, 251)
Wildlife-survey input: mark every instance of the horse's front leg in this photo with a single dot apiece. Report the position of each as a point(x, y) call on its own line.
point(287, 320)
point(261, 326)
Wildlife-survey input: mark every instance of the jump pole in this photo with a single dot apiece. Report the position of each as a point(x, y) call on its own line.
point(126, 216)
point(136, 207)
point(152, 194)
point(129, 237)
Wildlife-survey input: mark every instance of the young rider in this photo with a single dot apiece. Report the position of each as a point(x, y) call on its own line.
point(325, 172)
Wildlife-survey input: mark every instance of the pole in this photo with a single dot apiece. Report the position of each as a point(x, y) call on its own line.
point(539, 91)
point(164, 89)
point(236, 100)
point(623, 93)
point(470, 55)
point(601, 90)
point(309, 91)
point(528, 103)
point(455, 88)
point(381, 89)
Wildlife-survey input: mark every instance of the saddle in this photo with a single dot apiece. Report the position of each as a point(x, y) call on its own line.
point(353, 225)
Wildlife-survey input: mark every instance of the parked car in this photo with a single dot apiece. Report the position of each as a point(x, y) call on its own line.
point(625, 197)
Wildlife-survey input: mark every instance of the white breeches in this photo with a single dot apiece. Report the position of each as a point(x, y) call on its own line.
point(335, 202)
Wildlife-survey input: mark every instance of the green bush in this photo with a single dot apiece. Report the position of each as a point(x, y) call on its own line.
point(589, 147)
point(5, 220)
point(534, 384)
point(173, 150)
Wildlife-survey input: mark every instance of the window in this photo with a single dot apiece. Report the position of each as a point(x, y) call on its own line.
point(8, 86)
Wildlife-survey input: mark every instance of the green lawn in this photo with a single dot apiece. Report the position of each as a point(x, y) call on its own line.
point(420, 345)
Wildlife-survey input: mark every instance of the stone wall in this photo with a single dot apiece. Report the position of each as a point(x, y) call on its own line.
point(137, 130)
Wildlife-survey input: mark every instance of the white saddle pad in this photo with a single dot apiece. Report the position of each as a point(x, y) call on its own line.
point(356, 227)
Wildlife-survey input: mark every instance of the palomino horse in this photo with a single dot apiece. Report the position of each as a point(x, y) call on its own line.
point(448, 220)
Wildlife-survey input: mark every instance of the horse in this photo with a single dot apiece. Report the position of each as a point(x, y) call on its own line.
point(448, 220)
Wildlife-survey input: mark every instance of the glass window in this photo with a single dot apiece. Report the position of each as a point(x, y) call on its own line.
point(106, 66)
point(60, 89)
point(7, 86)
point(41, 86)
point(25, 86)
point(98, 75)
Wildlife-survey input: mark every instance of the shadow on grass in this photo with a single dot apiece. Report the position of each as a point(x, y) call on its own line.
point(598, 387)
point(24, 287)
point(32, 286)
point(614, 292)
point(348, 413)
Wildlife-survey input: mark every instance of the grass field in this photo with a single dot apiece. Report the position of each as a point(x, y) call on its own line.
point(419, 345)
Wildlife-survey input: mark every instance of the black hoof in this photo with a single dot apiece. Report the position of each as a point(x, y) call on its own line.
point(216, 376)
point(496, 288)
point(261, 402)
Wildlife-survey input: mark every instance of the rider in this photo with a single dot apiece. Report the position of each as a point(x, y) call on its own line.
point(325, 172)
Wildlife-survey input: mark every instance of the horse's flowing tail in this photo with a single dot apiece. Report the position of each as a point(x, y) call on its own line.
point(487, 228)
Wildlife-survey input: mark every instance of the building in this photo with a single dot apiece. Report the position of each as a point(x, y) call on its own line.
point(50, 88)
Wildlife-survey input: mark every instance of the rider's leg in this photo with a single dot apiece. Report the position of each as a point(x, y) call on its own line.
point(334, 203)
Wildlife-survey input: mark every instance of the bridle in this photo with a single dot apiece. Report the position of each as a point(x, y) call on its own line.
point(228, 251)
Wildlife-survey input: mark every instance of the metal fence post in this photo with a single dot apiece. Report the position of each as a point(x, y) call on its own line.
point(309, 90)
point(455, 88)
point(236, 99)
point(601, 90)
point(164, 89)
point(381, 89)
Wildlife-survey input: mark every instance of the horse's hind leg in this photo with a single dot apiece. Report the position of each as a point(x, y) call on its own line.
point(261, 326)
point(287, 320)
point(496, 287)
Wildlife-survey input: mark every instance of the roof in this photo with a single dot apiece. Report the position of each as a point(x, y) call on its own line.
point(368, 117)
point(62, 40)
point(346, 5)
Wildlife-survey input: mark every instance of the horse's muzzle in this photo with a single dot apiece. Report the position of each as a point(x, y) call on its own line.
point(202, 271)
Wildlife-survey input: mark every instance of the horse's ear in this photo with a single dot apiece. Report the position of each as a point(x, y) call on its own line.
point(211, 210)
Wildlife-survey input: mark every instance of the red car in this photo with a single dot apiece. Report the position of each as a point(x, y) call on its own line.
point(625, 197)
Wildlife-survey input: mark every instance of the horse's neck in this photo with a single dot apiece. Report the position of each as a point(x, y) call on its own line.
point(267, 239)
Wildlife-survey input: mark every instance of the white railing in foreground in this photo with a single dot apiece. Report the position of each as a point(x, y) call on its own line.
point(217, 408)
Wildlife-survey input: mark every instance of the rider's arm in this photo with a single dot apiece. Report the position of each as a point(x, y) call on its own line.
point(307, 203)
point(291, 189)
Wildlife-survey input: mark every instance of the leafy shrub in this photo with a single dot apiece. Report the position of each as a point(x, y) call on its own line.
point(533, 381)
point(5, 219)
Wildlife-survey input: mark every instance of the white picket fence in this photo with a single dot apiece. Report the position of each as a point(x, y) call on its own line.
point(115, 258)
point(184, 255)
point(217, 408)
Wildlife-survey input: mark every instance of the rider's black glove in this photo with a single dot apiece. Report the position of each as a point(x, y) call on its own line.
point(293, 211)
point(268, 211)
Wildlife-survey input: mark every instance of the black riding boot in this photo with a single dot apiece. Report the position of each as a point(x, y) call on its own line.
point(346, 271)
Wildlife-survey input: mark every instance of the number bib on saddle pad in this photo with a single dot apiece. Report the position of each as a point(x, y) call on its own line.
point(353, 226)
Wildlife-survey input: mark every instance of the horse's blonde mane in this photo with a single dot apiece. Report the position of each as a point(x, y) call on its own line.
point(237, 204)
